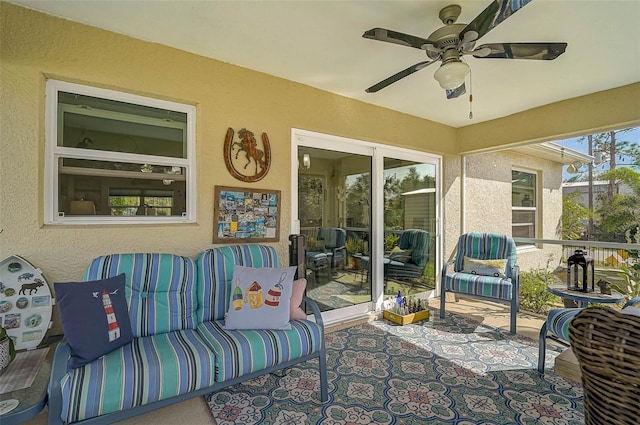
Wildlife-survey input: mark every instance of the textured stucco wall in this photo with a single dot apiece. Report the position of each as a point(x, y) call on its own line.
point(35, 46)
point(488, 199)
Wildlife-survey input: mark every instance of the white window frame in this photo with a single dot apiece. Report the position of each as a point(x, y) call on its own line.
point(53, 153)
point(536, 208)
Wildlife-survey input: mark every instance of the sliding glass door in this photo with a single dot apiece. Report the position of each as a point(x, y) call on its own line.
point(370, 217)
point(410, 226)
point(334, 214)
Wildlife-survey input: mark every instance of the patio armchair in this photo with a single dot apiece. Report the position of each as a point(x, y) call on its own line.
point(412, 255)
point(484, 267)
point(330, 250)
point(334, 240)
point(556, 327)
point(606, 343)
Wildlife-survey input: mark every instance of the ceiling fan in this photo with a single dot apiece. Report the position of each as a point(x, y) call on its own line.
point(451, 42)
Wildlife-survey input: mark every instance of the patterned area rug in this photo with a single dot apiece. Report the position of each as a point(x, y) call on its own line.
point(452, 371)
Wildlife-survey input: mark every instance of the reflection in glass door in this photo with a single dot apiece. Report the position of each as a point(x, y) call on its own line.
point(370, 216)
point(334, 211)
point(410, 226)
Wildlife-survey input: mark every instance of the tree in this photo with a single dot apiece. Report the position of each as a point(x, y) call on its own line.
point(574, 217)
point(610, 148)
point(621, 212)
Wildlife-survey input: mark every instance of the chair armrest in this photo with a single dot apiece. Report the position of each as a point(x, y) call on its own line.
point(633, 302)
point(445, 267)
point(315, 309)
point(58, 370)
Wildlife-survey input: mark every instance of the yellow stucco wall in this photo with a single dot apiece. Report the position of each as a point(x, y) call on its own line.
point(35, 46)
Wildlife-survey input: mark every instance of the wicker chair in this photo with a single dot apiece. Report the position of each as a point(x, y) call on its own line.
point(607, 346)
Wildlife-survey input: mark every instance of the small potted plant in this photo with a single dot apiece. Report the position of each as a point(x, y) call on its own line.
point(7, 349)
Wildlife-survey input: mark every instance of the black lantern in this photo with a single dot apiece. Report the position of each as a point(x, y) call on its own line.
point(580, 273)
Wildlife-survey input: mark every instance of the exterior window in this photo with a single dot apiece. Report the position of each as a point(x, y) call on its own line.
point(524, 204)
point(113, 157)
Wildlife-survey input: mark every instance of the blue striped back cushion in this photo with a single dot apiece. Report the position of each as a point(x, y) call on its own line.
point(418, 242)
point(486, 246)
point(160, 289)
point(215, 273)
point(469, 245)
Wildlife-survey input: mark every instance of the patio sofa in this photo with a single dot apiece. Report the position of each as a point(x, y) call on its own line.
point(180, 347)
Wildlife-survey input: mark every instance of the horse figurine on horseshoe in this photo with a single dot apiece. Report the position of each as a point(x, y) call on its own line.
point(249, 145)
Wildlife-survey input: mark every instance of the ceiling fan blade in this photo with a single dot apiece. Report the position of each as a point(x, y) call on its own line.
point(457, 92)
point(382, 34)
point(494, 14)
point(535, 51)
point(400, 75)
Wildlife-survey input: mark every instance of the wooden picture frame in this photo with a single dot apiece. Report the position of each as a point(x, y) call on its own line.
point(246, 215)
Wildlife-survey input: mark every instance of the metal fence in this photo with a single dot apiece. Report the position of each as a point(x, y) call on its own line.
point(605, 254)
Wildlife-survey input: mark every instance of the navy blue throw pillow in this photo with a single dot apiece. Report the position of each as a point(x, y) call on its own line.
point(94, 316)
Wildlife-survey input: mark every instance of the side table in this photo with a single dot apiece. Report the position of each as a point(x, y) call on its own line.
point(33, 399)
point(584, 298)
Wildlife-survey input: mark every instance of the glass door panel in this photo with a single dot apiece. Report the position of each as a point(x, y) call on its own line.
point(334, 211)
point(410, 226)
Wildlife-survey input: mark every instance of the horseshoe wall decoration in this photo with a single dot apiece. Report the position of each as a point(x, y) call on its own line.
point(244, 159)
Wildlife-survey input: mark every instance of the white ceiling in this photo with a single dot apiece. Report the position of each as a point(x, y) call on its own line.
point(320, 44)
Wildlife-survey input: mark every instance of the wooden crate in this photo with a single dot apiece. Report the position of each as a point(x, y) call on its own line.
point(566, 365)
point(407, 318)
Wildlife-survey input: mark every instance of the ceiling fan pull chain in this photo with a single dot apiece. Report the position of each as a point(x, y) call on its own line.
point(470, 97)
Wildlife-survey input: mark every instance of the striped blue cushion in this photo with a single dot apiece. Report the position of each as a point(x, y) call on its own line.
point(418, 241)
point(558, 321)
point(486, 286)
point(149, 369)
point(240, 352)
point(486, 246)
point(160, 289)
point(215, 273)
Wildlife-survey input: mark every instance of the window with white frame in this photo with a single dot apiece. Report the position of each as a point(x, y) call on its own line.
point(114, 157)
point(524, 204)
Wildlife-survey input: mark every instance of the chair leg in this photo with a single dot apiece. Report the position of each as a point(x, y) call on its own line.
point(324, 388)
point(443, 296)
point(542, 347)
point(514, 316)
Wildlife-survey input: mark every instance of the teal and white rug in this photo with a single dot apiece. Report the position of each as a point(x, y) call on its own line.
point(452, 371)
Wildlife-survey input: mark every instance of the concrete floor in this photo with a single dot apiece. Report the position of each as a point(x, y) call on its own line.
point(196, 412)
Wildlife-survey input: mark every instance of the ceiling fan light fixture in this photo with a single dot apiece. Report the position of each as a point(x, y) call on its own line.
point(451, 75)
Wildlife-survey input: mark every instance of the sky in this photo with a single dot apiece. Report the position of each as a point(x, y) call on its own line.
point(632, 136)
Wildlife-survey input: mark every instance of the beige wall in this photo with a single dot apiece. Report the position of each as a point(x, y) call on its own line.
point(488, 199)
point(34, 47)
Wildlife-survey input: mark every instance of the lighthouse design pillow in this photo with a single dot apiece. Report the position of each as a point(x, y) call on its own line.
point(94, 316)
point(260, 298)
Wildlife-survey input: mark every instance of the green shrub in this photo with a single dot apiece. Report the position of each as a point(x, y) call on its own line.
point(534, 296)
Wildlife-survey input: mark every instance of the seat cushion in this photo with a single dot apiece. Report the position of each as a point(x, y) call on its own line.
point(558, 321)
point(398, 269)
point(485, 286)
point(240, 352)
point(148, 369)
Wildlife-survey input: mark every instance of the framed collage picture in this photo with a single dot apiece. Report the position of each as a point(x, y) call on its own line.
point(244, 215)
